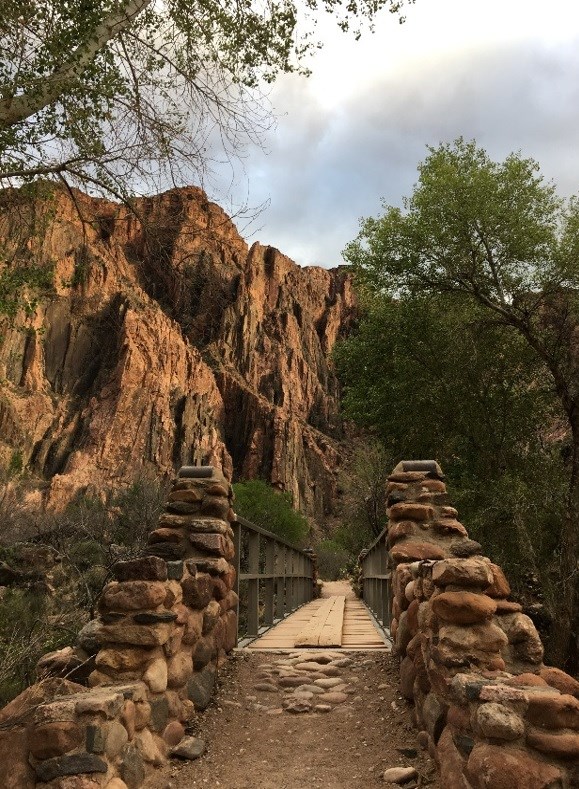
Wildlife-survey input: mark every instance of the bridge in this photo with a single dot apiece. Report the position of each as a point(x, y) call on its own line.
point(277, 585)
point(311, 694)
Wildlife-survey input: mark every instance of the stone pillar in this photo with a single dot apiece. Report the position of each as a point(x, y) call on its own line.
point(471, 661)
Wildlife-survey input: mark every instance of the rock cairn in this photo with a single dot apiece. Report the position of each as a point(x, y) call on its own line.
point(488, 710)
point(163, 624)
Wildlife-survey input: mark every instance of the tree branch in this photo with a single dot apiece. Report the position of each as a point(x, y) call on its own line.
point(14, 109)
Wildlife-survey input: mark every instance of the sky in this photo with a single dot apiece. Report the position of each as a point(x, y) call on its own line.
point(502, 72)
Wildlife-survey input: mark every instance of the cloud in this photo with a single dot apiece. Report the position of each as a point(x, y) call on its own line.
point(332, 159)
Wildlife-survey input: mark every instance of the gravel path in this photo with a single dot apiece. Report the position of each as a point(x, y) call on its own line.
point(329, 720)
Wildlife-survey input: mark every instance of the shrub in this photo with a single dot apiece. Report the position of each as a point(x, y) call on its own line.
point(333, 560)
point(271, 509)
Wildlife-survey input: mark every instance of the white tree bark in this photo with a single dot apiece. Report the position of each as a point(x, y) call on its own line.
point(14, 109)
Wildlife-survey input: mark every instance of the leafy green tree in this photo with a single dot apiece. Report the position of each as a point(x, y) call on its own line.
point(271, 509)
point(114, 93)
point(494, 235)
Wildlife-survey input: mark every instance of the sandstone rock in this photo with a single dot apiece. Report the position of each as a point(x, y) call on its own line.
point(563, 744)
point(179, 669)
point(198, 591)
point(216, 544)
point(147, 568)
point(333, 697)
point(399, 775)
point(465, 548)
point(132, 595)
point(123, 659)
point(128, 718)
point(322, 708)
point(156, 675)
point(498, 722)
point(449, 527)
point(463, 608)
point(193, 627)
point(142, 715)
point(407, 677)
point(459, 645)
point(329, 682)
point(499, 767)
point(526, 680)
point(522, 634)
point(410, 511)
point(500, 587)
point(116, 739)
point(211, 616)
point(551, 710)
point(508, 607)
point(434, 716)
point(560, 680)
point(400, 529)
point(450, 762)
point(116, 783)
point(138, 635)
point(173, 733)
point(54, 739)
point(105, 701)
point(413, 551)
point(473, 572)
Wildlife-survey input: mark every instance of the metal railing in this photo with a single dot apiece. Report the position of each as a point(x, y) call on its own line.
point(376, 579)
point(273, 577)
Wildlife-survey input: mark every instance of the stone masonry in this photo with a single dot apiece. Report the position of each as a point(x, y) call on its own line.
point(164, 623)
point(488, 709)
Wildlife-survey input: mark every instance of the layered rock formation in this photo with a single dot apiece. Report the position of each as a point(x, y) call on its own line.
point(164, 341)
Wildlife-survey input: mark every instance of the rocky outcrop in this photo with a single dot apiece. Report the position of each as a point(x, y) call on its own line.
point(164, 340)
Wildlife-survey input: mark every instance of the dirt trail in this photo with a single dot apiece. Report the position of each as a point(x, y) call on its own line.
point(253, 743)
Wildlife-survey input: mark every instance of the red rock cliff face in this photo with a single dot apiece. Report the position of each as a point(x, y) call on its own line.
point(167, 341)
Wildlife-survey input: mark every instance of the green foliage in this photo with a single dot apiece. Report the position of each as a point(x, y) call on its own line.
point(113, 92)
point(261, 504)
point(467, 352)
point(362, 482)
point(333, 560)
point(16, 464)
point(60, 595)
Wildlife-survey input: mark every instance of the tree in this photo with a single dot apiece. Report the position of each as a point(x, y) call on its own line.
point(433, 379)
point(271, 509)
point(495, 235)
point(115, 94)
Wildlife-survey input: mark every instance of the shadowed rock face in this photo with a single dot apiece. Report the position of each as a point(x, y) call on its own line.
point(169, 342)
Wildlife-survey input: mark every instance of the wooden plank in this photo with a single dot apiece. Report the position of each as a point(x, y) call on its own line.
point(331, 631)
point(359, 630)
point(309, 636)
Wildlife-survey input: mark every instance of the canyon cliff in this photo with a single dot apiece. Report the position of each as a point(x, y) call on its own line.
point(163, 340)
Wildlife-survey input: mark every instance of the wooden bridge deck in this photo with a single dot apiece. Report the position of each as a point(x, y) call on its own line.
point(333, 621)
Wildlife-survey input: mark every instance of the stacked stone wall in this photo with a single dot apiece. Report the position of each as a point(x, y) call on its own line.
point(488, 709)
point(163, 625)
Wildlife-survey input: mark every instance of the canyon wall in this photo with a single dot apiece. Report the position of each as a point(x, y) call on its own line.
point(164, 340)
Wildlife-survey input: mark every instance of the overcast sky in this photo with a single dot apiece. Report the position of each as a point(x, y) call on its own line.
point(504, 72)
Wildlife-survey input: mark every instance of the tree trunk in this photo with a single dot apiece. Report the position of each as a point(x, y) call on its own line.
point(565, 634)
